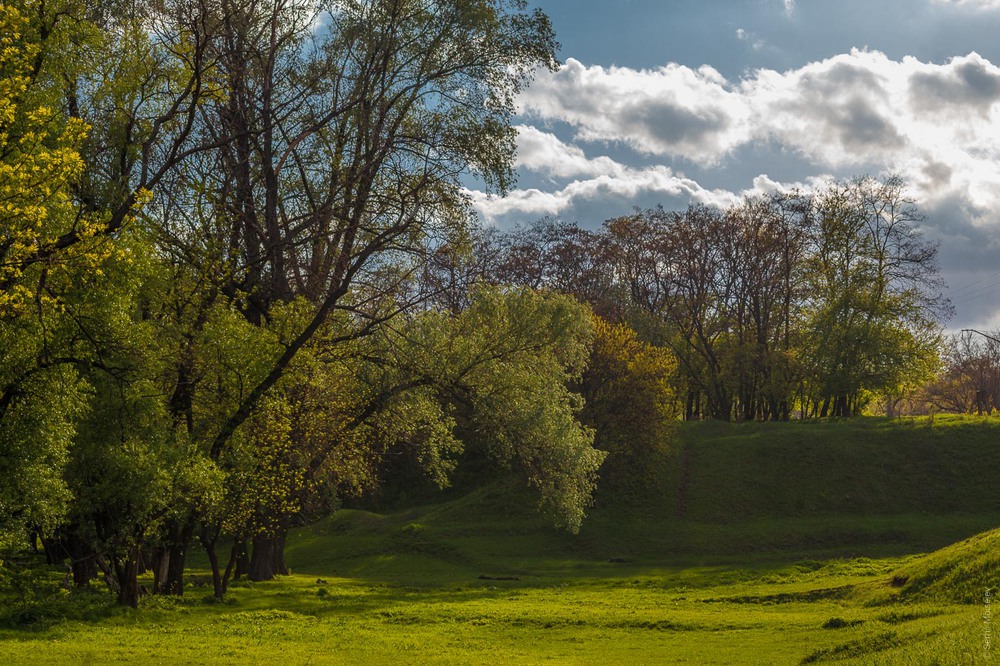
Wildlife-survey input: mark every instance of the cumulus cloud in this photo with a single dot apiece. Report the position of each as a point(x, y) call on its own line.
point(592, 179)
point(673, 110)
point(542, 152)
point(835, 112)
point(934, 123)
point(970, 83)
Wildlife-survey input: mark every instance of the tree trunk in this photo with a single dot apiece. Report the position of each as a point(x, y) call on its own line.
point(213, 559)
point(126, 572)
point(268, 558)
point(843, 406)
point(53, 549)
point(160, 563)
point(220, 581)
point(179, 533)
point(82, 559)
point(238, 552)
point(83, 570)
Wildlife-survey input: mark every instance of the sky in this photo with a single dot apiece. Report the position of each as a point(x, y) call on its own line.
point(675, 102)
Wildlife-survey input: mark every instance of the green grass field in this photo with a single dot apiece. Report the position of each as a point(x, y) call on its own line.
point(761, 543)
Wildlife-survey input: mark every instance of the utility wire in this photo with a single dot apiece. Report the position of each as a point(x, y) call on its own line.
point(976, 293)
point(973, 284)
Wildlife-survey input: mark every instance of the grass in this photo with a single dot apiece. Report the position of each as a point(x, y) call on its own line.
point(783, 570)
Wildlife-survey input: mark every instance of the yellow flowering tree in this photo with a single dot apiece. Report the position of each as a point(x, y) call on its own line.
point(39, 160)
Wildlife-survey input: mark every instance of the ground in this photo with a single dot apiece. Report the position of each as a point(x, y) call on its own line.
point(785, 575)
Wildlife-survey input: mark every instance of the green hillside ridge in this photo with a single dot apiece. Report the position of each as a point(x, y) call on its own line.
point(857, 467)
point(743, 574)
point(966, 572)
point(866, 488)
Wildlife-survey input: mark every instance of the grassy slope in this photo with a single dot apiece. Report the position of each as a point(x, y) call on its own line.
point(861, 467)
point(745, 565)
point(962, 572)
point(871, 486)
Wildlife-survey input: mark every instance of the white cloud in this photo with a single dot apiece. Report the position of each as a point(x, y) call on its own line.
point(544, 153)
point(934, 123)
point(594, 179)
point(972, 4)
point(673, 110)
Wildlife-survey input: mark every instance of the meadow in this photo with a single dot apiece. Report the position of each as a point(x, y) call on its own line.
point(854, 542)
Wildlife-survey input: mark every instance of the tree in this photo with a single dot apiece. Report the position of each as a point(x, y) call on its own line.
point(133, 79)
point(289, 165)
point(826, 300)
point(40, 392)
point(764, 241)
point(874, 295)
point(969, 380)
point(552, 254)
point(505, 366)
point(491, 379)
point(89, 121)
point(629, 401)
point(694, 304)
point(345, 150)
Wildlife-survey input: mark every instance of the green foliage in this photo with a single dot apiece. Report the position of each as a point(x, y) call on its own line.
point(871, 327)
point(505, 364)
point(630, 402)
point(34, 436)
point(41, 395)
point(39, 157)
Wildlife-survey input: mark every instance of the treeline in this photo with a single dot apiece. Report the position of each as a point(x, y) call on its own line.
point(780, 306)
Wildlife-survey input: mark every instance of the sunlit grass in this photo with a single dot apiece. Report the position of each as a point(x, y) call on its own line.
point(482, 579)
point(781, 614)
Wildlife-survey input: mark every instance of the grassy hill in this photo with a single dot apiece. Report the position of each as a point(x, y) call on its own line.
point(758, 543)
point(863, 487)
point(856, 467)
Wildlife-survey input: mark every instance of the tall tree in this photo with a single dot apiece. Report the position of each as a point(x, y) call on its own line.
point(347, 146)
point(41, 392)
point(342, 133)
point(874, 294)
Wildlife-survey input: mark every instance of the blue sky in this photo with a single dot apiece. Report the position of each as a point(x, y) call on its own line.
point(681, 101)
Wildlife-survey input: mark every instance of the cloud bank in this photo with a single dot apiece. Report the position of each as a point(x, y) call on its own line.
point(936, 124)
